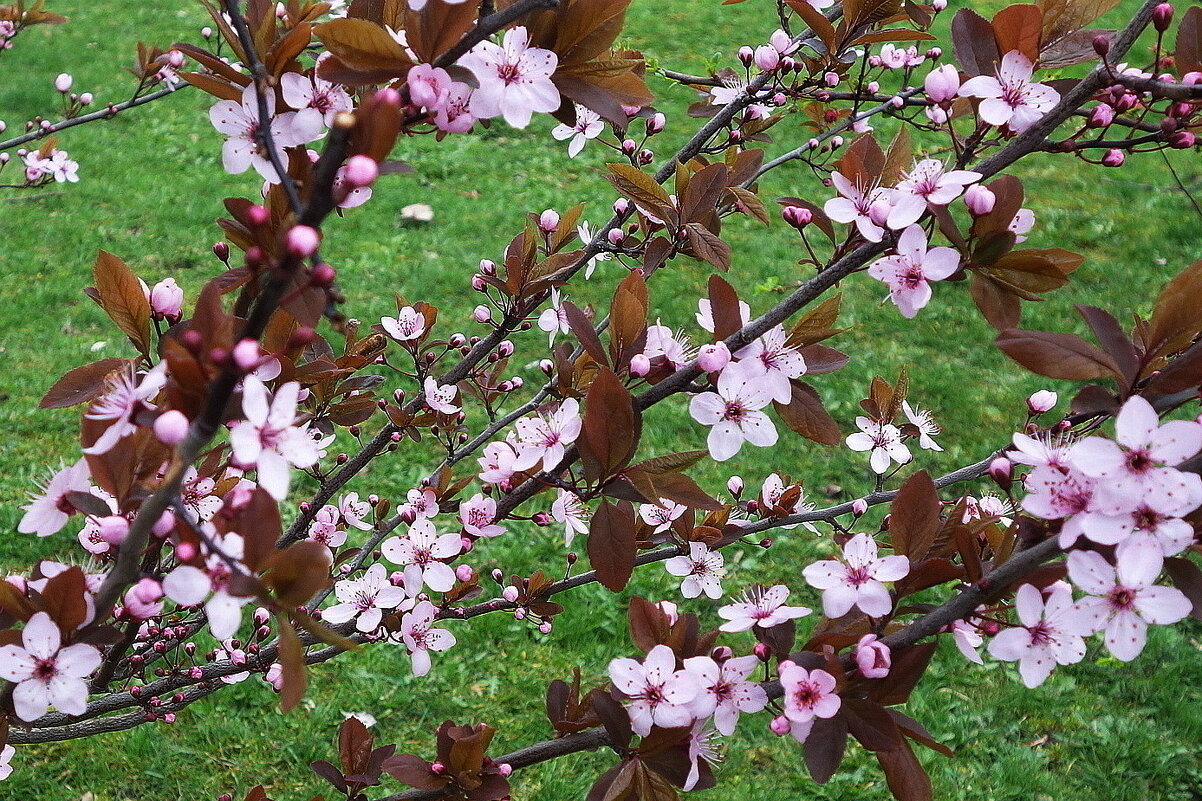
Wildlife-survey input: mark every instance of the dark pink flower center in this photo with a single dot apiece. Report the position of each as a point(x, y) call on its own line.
point(1139, 461)
point(510, 73)
point(857, 576)
point(1121, 598)
point(45, 670)
point(735, 411)
point(807, 695)
point(912, 278)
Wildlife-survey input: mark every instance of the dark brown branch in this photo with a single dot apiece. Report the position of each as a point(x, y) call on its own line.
point(489, 25)
point(106, 113)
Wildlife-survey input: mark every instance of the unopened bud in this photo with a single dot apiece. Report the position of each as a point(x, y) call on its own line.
point(766, 58)
point(1162, 16)
point(85, 99)
point(1042, 401)
point(979, 199)
point(746, 55)
point(762, 652)
point(548, 221)
point(482, 314)
point(171, 427)
point(221, 250)
point(859, 507)
point(780, 726)
point(1002, 471)
point(302, 241)
point(323, 275)
point(640, 365)
point(656, 123)
point(113, 529)
point(63, 82)
point(1182, 140)
point(1100, 116)
point(797, 216)
point(734, 485)
point(1114, 158)
point(712, 358)
point(361, 171)
point(258, 215)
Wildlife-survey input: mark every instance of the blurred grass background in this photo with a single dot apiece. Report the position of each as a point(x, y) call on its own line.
point(150, 188)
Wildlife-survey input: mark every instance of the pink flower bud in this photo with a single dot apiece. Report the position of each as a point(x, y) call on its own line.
point(63, 82)
point(1125, 102)
point(938, 5)
point(546, 366)
point(482, 314)
point(510, 593)
point(206, 32)
point(505, 349)
point(779, 726)
point(1042, 401)
point(629, 146)
point(361, 171)
point(669, 610)
point(247, 354)
point(1002, 471)
point(621, 206)
point(302, 241)
point(544, 627)
point(1182, 140)
point(258, 215)
point(831, 79)
point(935, 53)
point(712, 358)
point(762, 652)
point(746, 55)
point(941, 84)
point(1114, 157)
point(113, 529)
point(464, 572)
point(873, 86)
point(221, 250)
point(640, 365)
point(979, 199)
point(872, 657)
point(734, 485)
point(766, 58)
point(171, 427)
point(85, 99)
point(1100, 116)
point(797, 216)
point(167, 299)
point(548, 221)
point(615, 236)
point(878, 212)
point(1162, 16)
point(656, 123)
point(859, 507)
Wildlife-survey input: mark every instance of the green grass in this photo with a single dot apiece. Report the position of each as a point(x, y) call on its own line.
point(151, 187)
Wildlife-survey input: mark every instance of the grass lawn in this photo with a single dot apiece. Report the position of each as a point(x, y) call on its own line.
point(150, 188)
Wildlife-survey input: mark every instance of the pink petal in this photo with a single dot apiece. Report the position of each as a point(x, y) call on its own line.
point(78, 660)
point(1162, 605)
point(1136, 423)
point(1125, 635)
point(41, 636)
point(31, 699)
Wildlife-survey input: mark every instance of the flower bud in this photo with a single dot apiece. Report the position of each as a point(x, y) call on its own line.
point(85, 99)
point(831, 79)
point(1114, 158)
point(640, 365)
point(615, 236)
point(797, 216)
point(780, 726)
point(1042, 401)
point(979, 199)
point(941, 84)
point(712, 358)
point(1125, 102)
point(1162, 16)
point(63, 82)
point(1100, 116)
point(1002, 471)
point(734, 485)
point(629, 146)
point(1182, 140)
point(766, 58)
point(762, 651)
point(113, 529)
point(302, 241)
point(510, 593)
point(258, 215)
point(859, 507)
point(548, 221)
point(746, 55)
point(171, 427)
point(873, 657)
point(167, 300)
point(656, 123)
point(938, 5)
point(206, 32)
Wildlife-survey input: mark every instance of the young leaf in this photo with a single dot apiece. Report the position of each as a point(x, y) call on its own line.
point(122, 298)
point(611, 545)
point(1057, 355)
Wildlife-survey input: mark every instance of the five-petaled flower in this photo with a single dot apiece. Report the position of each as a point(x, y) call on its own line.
point(420, 639)
point(760, 607)
point(1011, 98)
point(588, 126)
point(734, 412)
point(882, 439)
point(45, 672)
point(420, 553)
point(857, 580)
point(515, 78)
point(47, 513)
point(268, 440)
point(1048, 634)
point(808, 694)
point(702, 570)
point(659, 695)
point(725, 691)
point(364, 599)
point(909, 271)
point(240, 123)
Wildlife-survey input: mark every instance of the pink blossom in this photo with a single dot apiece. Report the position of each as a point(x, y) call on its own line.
point(440, 397)
point(408, 325)
point(660, 516)
point(701, 748)
point(760, 607)
point(968, 639)
point(896, 58)
point(498, 462)
point(857, 580)
point(428, 86)
point(544, 438)
point(47, 513)
point(659, 695)
point(702, 570)
point(454, 115)
point(882, 439)
point(190, 586)
point(125, 395)
point(1123, 600)
point(354, 511)
point(1011, 98)
point(240, 123)
point(873, 657)
point(725, 691)
point(673, 347)
point(46, 673)
point(324, 528)
point(167, 299)
point(420, 639)
point(1036, 451)
point(515, 78)
point(928, 429)
point(588, 126)
point(478, 515)
point(1047, 634)
point(317, 101)
point(268, 440)
point(419, 553)
point(927, 184)
point(734, 413)
point(420, 502)
point(364, 599)
point(865, 205)
point(1132, 466)
point(909, 271)
point(6, 753)
point(808, 694)
point(571, 511)
point(1145, 533)
point(554, 319)
point(769, 359)
point(1024, 221)
point(1053, 494)
point(942, 83)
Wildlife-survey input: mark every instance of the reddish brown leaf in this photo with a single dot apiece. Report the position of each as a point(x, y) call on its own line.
point(64, 599)
point(122, 298)
point(1018, 27)
point(708, 246)
point(806, 415)
point(1188, 578)
point(724, 307)
point(611, 547)
point(611, 429)
point(297, 572)
point(1057, 355)
point(81, 384)
point(584, 331)
point(914, 517)
point(1112, 338)
point(1188, 52)
point(292, 660)
point(975, 46)
point(824, 747)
